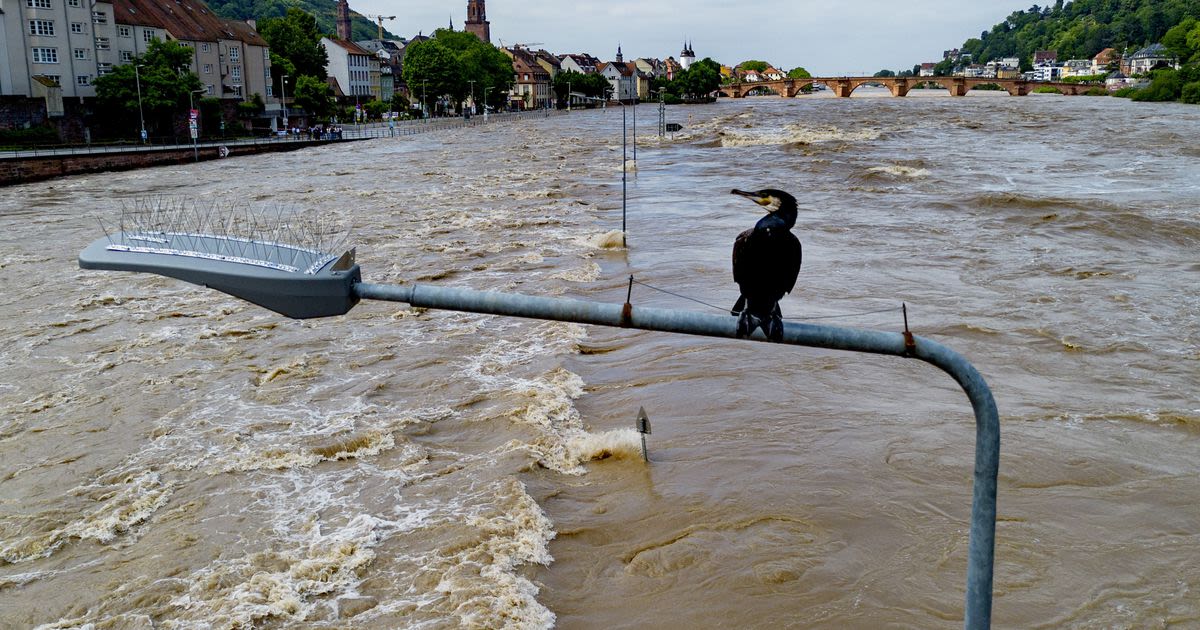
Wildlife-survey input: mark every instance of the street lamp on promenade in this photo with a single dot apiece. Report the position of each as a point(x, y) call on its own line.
point(141, 118)
point(485, 107)
point(472, 82)
point(283, 99)
point(424, 112)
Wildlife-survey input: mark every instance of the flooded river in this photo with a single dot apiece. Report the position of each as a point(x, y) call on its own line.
point(171, 457)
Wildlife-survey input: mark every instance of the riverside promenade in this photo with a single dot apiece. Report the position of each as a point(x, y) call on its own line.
point(31, 165)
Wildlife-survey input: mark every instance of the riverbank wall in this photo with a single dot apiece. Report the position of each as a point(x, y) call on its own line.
point(34, 168)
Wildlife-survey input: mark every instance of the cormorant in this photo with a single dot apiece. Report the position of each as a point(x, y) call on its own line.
point(766, 261)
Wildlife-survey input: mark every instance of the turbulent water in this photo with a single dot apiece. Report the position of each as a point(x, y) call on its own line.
point(174, 458)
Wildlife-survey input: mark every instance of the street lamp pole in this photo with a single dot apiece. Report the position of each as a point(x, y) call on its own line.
point(485, 107)
point(568, 96)
point(472, 82)
point(283, 99)
point(141, 118)
point(424, 112)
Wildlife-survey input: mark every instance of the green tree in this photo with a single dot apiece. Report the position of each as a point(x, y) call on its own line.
point(753, 64)
point(798, 73)
point(885, 73)
point(296, 50)
point(166, 81)
point(447, 63)
point(700, 80)
point(314, 96)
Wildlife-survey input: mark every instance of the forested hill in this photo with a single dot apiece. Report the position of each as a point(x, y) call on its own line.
point(324, 10)
point(1080, 29)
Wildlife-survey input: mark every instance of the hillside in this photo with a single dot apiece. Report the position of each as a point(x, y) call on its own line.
point(1080, 29)
point(324, 10)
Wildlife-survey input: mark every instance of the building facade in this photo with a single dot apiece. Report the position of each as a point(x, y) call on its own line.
point(74, 41)
point(354, 69)
point(531, 86)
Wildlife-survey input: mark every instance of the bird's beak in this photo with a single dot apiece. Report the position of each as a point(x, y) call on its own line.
point(758, 199)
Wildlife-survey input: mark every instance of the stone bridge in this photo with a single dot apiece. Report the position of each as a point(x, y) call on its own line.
point(898, 86)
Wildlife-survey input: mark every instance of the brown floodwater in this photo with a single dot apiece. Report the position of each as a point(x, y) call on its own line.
point(171, 457)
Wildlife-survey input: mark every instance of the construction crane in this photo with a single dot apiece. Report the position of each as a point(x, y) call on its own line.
point(379, 20)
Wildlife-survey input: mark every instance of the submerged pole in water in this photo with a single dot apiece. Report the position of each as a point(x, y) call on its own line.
point(624, 175)
point(981, 546)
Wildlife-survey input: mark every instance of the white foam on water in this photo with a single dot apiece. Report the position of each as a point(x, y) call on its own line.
point(123, 505)
point(899, 170)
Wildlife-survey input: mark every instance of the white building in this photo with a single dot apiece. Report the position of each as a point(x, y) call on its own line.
point(355, 69)
point(621, 77)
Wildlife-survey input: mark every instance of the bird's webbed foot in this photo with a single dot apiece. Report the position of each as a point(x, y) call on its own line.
point(746, 325)
point(773, 327)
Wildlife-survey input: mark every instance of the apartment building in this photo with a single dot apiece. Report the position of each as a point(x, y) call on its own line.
point(75, 41)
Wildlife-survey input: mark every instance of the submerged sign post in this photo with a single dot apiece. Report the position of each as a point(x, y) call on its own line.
point(194, 131)
point(643, 427)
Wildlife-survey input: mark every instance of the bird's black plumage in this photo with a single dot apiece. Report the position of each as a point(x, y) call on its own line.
point(766, 262)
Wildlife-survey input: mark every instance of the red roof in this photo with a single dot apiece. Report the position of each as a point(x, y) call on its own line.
point(188, 20)
point(351, 47)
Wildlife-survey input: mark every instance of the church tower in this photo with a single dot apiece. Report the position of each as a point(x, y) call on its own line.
point(687, 57)
point(343, 20)
point(620, 57)
point(477, 21)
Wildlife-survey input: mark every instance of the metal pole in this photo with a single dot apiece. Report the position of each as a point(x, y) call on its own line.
point(141, 118)
point(624, 175)
point(283, 99)
point(981, 545)
point(635, 104)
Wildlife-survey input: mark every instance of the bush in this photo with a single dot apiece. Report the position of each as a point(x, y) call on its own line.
point(32, 136)
point(1126, 92)
point(1191, 93)
point(1046, 89)
point(1166, 86)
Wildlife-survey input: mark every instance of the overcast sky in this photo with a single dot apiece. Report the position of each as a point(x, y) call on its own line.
point(845, 37)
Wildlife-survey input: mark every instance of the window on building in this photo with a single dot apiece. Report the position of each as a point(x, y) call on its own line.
point(234, 54)
point(44, 28)
point(103, 69)
point(124, 31)
point(102, 43)
point(83, 79)
point(270, 91)
point(126, 56)
point(77, 27)
point(149, 35)
point(99, 17)
point(37, 4)
point(75, 3)
point(210, 89)
point(236, 73)
point(45, 55)
point(81, 53)
point(56, 78)
point(208, 68)
point(204, 47)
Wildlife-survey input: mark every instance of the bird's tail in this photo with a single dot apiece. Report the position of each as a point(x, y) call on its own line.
point(739, 306)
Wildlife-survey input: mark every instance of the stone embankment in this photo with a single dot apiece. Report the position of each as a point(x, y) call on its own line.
point(33, 168)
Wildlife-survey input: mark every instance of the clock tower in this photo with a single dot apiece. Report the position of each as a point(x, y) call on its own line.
point(477, 20)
